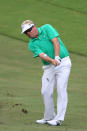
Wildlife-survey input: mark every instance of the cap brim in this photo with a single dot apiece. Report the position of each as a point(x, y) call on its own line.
point(26, 27)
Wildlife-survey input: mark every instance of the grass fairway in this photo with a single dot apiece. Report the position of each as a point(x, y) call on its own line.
point(20, 75)
point(20, 83)
point(69, 17)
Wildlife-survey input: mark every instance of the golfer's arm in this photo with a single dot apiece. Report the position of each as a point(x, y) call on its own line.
point(56, 46)
point(45, 57)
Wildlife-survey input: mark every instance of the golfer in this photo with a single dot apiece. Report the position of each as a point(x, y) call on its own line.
point(45, 43)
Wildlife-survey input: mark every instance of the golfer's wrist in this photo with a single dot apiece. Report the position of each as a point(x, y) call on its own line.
point(51, 61)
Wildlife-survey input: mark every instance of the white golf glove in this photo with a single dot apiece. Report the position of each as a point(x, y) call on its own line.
point(58, 59)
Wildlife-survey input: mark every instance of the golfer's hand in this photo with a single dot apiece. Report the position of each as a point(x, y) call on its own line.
point(55, 62)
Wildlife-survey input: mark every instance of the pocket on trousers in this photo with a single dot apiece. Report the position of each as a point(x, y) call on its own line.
point(66, 63)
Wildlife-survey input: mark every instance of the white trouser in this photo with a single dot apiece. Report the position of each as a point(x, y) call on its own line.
point(55, 75)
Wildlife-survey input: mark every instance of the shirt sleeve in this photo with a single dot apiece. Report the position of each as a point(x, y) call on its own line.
point(51, 32)
point(35, 49)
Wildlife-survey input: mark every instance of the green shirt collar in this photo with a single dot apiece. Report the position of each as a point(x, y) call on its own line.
point(39, 30)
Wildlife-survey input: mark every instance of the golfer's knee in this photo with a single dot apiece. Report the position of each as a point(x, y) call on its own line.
point(46, 92)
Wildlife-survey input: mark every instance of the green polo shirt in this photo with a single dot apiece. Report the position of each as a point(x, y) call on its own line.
point(43, 43)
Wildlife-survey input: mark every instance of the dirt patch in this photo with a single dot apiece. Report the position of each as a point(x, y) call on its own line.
point(16, 105)
point(24, 111)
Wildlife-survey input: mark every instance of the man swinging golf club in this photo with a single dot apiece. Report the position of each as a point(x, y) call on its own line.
point(45, 43)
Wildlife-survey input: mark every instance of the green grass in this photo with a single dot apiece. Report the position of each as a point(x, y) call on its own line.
point(69, 17)
point(20, 85)
point(20, 74)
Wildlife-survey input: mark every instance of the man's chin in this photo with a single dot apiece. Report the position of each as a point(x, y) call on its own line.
point(34, 36)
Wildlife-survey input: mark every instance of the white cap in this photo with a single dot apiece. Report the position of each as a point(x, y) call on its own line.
point(27, 24)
